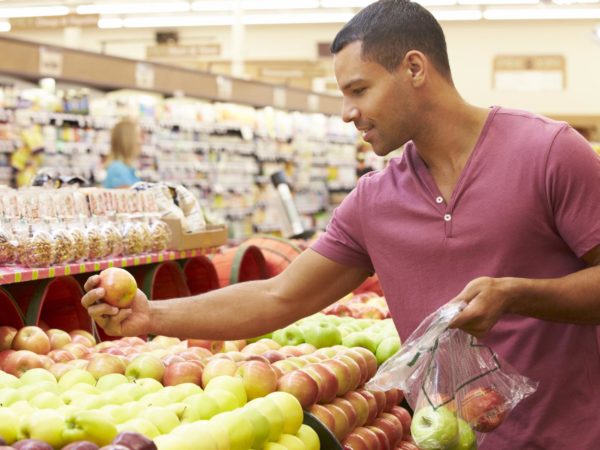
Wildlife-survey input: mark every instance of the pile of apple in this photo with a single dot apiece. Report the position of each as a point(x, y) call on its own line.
point(320, 330)
point(366, 305)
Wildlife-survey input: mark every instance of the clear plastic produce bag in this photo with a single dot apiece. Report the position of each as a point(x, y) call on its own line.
point(458, 388)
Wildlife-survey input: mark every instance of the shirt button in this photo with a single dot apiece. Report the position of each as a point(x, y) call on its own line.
point(439, 199)
point(447, 217)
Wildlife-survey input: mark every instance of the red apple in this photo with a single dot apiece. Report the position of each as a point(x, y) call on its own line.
point(393, 397)
point(78, 350)
point(392, 427)
point(369, 436)
point(32, 338)
point(200, 351)
point(60, 355)
point(79, 332)
point(342, 374)
point(290, 350)
point(273, 355)
point(306, 349)
point(406, 445)
point(3, 355)
point(404, 416)
point(7, 335)
point(300, 385)
point(355, 441)
point(372, 402)
point(183, 372)
point(21, 361)
point(59, 369)
point(256, 348)
point(354, 368)
point(213, 346)
point(326, 380)
point(359, 360)
point(133, 340)
point(325, 416)
point(340, 310)
point(169, 359)
point(103, 364)
point(58, 338)
point(217, 367)
point(384, 442)
point(380, 399)
point(484, 408)
point(348, 409)
point(259, 378)
point(119, 287)
point(361, 406)
point(369, 357)
point(341, 422)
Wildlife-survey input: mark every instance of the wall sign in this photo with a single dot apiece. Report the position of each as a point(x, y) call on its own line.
point(529, 73)
point(50, 62)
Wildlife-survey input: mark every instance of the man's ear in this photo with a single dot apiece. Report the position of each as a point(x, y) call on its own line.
point(416, 66)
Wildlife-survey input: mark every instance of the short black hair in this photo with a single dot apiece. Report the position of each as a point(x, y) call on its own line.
point(388, 29)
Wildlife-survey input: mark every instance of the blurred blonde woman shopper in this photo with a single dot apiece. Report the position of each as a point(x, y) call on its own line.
point(124, 152)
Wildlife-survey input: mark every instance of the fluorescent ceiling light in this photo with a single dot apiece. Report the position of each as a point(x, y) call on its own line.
point(573, 2)
point(110, 23)
point(278, 4)
point(34, 11)
point(457, 14)
point(498, 2)
point(177, 21)
point(345, 3)
point(436, 2)
point(276, 19)
point(540, 14)
point(220, 5)
point(4, 26)
point(133, 8)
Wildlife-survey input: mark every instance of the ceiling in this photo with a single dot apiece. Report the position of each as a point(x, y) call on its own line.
point(162, 13)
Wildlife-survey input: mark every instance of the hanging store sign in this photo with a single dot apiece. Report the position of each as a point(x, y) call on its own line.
point(50, 62)
point(144, 76)
point(183, 51)
point(71, 20)
point(529, 73)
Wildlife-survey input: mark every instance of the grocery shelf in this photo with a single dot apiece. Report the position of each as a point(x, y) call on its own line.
point(17, 274)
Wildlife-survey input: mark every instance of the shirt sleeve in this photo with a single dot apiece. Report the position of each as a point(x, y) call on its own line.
point(573, 187)
point(343, 240)
point(118, 175)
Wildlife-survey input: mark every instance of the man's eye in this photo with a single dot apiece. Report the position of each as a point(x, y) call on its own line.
point(358, 91)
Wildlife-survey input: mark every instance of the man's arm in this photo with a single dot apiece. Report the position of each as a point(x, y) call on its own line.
point(574, 298)
point(239, 311)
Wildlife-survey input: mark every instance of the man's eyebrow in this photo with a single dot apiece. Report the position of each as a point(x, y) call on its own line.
point(349, 84)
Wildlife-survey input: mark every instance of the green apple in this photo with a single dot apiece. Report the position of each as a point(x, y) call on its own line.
point(9, 395)
point(260, 425)
point(139, 425)
point(94, 426)
point(8, 380)
point(28, 391)
point(235, 385)
point(177, 408)
point(290, 408)
point(162, 417)
point(322, 334)
point(268, 408)
point(239, 429)
point(47, 400)
point(290, 335)
point(361, 339)
point(34, 376)
point(145, 366)
point(387, 348)
point(467, 439)
point(21, 408)
point(200, 407)
point(88, 401)
point(84, 387)
point(73, 377)
point(45, 425)
point(184, 390)
point(434, 428)
point(149, 384)
point(183, 441)
point(8, 425)
point(117, 397)
point(291, 442)
point(274, 446)
point(310, 437)
point(225, 399)
point(111, 380)
point(125, 412)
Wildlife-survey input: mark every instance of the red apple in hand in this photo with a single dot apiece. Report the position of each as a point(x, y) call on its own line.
point(484, 408)
point(119, 286)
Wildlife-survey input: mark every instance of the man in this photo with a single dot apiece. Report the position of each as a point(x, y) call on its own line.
point(493, 206)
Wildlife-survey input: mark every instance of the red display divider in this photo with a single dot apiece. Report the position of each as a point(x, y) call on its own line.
point(10, 313)
point(278, 252)
point(200, 275)
point(238, 264)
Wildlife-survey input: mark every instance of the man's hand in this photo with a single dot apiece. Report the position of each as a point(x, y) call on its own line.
point(133, 321)
point(487, 299)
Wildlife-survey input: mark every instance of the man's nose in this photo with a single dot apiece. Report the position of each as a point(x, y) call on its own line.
point(349, 112)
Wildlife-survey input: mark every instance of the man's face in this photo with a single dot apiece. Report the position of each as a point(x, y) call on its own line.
point(373, 99)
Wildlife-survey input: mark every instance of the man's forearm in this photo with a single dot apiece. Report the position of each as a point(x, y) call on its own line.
point(238, 311)
point(573, 298)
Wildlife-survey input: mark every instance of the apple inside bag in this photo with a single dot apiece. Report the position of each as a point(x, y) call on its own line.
point(458, 388)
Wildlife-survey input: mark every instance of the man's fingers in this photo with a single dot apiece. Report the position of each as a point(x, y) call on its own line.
point(91, 283)
point(102, 310)
point(92, 297)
